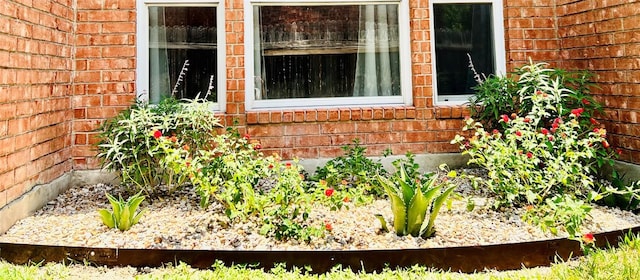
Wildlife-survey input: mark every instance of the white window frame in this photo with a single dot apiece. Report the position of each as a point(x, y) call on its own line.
point(499, 47)
point(142, 44)
point(404, 99)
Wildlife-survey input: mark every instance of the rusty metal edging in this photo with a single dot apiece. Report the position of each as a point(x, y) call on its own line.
point(464, 259)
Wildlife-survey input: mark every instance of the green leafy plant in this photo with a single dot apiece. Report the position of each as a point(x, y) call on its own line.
point(543, 158)
point(354, 168)
point(129, 142)
point(124, 214)
point(621, 194)
point(234, 172)
point(415, 205)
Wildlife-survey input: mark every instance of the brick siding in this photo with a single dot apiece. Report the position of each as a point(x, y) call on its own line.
point(36, 49)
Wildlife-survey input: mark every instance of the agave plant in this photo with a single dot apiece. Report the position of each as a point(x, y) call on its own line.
point(124, 213)
point(415, 204)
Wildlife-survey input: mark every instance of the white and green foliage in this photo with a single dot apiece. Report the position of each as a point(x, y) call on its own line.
point(124, 213)
point(129, 141)
point(415, 204)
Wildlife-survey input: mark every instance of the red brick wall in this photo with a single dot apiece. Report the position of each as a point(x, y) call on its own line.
point(604, 37)
point(36, 46)
point(104, 70)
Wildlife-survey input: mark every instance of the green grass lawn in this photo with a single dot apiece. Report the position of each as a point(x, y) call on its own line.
point(621, 263)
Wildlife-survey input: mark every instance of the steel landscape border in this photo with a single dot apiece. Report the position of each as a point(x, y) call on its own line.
point(467, 259)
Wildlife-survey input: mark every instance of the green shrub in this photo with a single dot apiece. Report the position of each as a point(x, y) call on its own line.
point(353, 170)
point(235, 173)
point(543, 158)
point(129, 142)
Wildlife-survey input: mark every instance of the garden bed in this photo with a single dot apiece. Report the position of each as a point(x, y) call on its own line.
point(176, 221)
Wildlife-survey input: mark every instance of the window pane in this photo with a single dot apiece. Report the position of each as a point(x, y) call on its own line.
point(178, 35)
point(462, 29)
point(326, 51)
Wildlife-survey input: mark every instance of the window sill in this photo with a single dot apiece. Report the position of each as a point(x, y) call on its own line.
point(330, 115)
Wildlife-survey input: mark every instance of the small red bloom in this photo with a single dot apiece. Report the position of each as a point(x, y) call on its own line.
point(188, 163)
point(157, 134)
point(505, 118)
point(593, 121)
point(550, 137)
point(518, 133)
point(514, 116)
point(529, 155)
point(185, 147)
point(247, 136)
point(577, 111)
point(585, 101)
point(527, 120)
point(328, 226)
point(328, 192)
point(588, 238)
point(270, 166)
point(346, 199)
point(596, 130)
point(287, 165)
point(495, 131)
point(605, 144)
point(257, 147)
point(544, 131)
point(619, 151)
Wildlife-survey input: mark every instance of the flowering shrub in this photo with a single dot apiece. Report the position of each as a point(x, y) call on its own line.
point(129, 141)
point(234, 172)
point(542, 158)
point(356, 170)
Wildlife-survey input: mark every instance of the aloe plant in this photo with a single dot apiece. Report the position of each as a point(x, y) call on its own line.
point(415, 204)
point(124, 214)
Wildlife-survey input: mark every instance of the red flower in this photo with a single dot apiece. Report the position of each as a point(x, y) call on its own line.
point(247, 136)
point(518, 133)
point(185, 147)
point(157, 134)
point(550, 137)
point(495, 131)
point(257, 147)
point(270, 166)
point(346, 199)
point(605, 144)
point(505, 118)
point(544, 131)
point(593, 121)
point(596, 130)
point(529, 155)
point(619, 151)
point(585, 101)
point(588, 238)
point(328, 226)
point(514, 116)
point(527, 120)
point(328, 192)
point(577, 112)
point(287, 165)
point(188, 163)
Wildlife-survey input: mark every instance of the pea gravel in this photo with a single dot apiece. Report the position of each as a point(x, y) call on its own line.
point(176, 221)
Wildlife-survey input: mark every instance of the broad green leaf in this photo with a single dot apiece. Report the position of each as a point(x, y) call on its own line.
point(137, 217)
point(428, 230)
point(107, 218)
point(417, 212)
point(125, 222)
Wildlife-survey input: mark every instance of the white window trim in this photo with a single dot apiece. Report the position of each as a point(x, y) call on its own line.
point(142, 45)
point(500, 53)
point(405, 99)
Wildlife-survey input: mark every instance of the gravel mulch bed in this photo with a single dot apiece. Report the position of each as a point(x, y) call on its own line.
point(176, 221)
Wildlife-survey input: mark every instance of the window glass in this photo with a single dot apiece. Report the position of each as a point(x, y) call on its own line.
point(326, 51)
point(462, 31)
point(182, 37)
